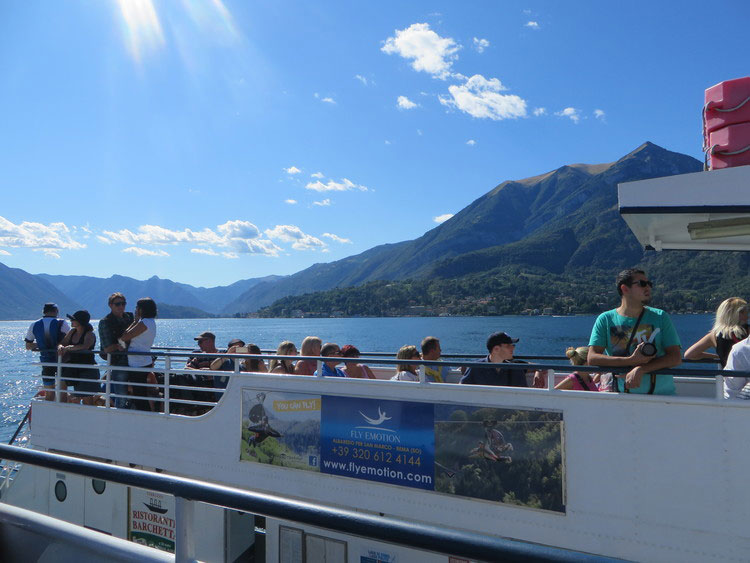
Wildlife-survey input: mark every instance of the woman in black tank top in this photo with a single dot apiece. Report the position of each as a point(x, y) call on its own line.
point(729, 328)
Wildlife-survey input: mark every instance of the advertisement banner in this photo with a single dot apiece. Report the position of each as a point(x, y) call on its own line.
point(281, 429)
point(378, 440)
point(499, 454)
point(151, 519)
point(506, 455)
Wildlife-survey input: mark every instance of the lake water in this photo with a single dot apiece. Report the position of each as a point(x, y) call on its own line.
point(458, 335)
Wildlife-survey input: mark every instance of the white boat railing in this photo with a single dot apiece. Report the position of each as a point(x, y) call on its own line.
point(171, 395)
point(189, 492)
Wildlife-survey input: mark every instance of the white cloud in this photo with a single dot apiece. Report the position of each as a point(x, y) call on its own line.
point(428, 51)
point(293, 234)
point(442, 218)
point(292, 170)
point(290, 201)
point(206, 251)
point(230, 255)
point(344, 186)
point(471, 142)
point(239, 229)
point(327, 99)
point(362, 79)
point(532, 25)
point(239, 236)
point(317, 175)
point(405, 103)
point(572, 113)
point(419, 132)
point(37, 236)
point(4, 253)
point(48, 252)
point(387, 142)
point(600, 115)
point(144, 252)
point(336, 238)
point(323, 203)
point(480, 97)
point(540, 111)
point(480, 45)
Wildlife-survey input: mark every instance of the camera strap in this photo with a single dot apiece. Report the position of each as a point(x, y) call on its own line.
point(616, 386)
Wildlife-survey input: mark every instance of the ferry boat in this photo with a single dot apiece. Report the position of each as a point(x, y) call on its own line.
point(636, 477)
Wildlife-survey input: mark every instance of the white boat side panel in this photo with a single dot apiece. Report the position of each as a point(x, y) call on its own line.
point(659, 210)
point(30, 489)
point(356, 547)
point(70, 508)
point(104, 512)
point(634, 486)
point(725, 187)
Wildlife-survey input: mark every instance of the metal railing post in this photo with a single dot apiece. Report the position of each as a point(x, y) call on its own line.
point(422, 378)
point(550, 379)
point(167, 370)
point(58, 375)
point(320, 368)
point(184, 549)
point(108, 382)
point(719, 387)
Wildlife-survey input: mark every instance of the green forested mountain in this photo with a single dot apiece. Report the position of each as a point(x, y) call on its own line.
point(564, 244)
point(559, 222)
point(93, 292)
point(682, 285)
point(22, 295)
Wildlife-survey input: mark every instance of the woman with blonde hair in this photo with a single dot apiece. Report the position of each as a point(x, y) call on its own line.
point(579, 381)
point(406, 371)
point(730, 326)
point(286, 348)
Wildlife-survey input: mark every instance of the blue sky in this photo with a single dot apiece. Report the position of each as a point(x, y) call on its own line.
point(211, 141)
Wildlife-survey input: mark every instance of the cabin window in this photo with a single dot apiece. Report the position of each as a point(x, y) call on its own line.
point(61, 491)
point(296, 546)
point(98, 485)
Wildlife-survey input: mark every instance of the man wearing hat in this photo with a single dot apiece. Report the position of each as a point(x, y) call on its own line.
point(43, 336)
point(206, 345)
point(500, 347)
point(225, 364)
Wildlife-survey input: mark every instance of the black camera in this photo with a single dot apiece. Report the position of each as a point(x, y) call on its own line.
point(648, 349)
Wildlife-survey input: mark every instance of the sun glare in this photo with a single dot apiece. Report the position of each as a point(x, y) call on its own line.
point(143, 30)
point(143, 25)
point(211, 16)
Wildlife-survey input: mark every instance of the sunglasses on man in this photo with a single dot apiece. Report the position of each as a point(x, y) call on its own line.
point(643, 283)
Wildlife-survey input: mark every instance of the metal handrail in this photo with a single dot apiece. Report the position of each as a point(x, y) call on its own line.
point(385, 528)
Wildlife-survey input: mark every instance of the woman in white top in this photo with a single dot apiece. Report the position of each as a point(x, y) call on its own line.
point(407, 372)
point(139, 338)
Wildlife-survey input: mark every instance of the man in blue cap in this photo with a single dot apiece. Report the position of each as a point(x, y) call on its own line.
point(500, 347)
point(43, 336)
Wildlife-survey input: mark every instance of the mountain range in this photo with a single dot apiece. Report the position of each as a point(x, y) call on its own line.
point(562, 221)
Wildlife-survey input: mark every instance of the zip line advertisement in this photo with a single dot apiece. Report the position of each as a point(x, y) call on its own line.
point(512, 456)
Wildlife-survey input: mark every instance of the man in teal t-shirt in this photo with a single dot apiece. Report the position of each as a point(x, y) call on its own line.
point(612, 332)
